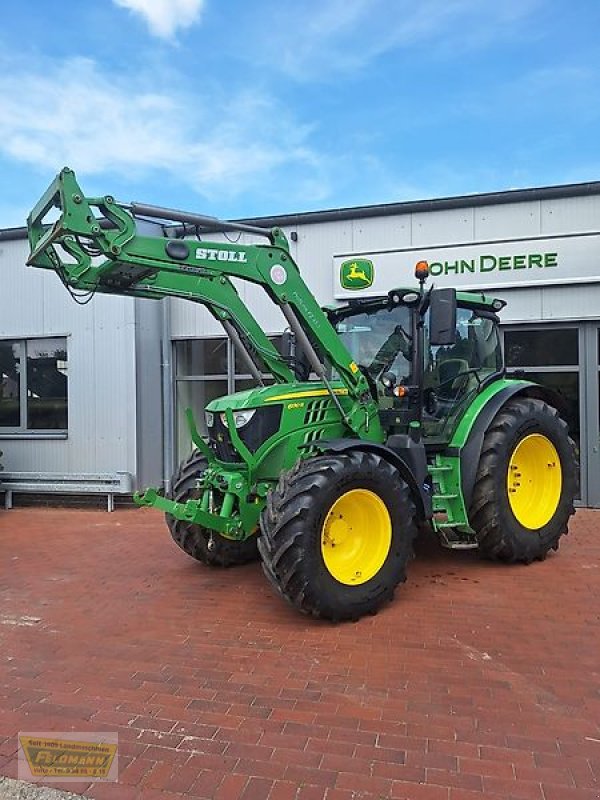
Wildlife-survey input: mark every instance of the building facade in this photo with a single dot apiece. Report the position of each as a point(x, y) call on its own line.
point(103, 387)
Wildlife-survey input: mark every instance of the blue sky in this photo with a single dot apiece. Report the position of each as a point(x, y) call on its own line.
point(249, 108)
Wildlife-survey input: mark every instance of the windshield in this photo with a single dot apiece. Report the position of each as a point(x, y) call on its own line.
point(379, 341)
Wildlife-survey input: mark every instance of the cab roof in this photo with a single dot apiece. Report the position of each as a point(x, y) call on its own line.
point(474, 299)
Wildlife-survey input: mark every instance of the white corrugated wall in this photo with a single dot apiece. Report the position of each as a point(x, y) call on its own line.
point(101, 370)
point(319, 242)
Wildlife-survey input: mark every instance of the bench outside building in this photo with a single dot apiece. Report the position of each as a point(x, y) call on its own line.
point(73, 483)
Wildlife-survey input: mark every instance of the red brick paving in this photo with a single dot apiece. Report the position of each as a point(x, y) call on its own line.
point(480, 680)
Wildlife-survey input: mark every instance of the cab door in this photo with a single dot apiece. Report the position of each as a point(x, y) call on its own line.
point(453, 374)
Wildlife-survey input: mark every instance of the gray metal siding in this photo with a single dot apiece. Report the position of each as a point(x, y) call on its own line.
point(319, 241)
point(101, 370)
point(520, 220)
point(149, 393)
point(575, 215)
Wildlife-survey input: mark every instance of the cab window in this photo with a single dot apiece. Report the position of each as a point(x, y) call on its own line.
point(379, 341)
point(454, 373)
point(476, 350)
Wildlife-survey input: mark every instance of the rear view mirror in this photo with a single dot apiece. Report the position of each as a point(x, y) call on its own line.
point(442, 317)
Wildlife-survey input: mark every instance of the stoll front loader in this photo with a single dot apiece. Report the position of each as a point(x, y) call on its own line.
point(381, 416)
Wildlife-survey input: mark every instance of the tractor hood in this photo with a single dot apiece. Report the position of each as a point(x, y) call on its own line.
point(277, 393)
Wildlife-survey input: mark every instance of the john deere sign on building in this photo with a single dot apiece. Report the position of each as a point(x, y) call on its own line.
point(356, 274)
point(500, 264)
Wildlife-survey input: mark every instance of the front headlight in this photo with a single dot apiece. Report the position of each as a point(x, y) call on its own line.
point(240, 418)
point(209, 418)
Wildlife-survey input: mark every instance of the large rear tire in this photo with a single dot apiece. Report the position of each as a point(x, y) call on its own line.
point(337, 534)
point(193, 539)
point(526, 483)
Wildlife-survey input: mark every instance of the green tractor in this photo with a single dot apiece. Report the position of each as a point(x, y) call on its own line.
point(380, 416)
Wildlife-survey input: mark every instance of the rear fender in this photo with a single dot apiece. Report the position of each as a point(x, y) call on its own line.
point(470, 452)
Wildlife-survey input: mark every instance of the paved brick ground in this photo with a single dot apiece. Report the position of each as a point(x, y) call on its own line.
point(480, 680)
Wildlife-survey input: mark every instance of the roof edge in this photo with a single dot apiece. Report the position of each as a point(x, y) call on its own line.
point(558, 191)
point(11, 234)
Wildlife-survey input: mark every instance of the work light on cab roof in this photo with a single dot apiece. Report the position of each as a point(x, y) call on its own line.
point(421, 271)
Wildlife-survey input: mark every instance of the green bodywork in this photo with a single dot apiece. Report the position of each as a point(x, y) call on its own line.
point(448, 499)
point(241, 488)
point(94, 246)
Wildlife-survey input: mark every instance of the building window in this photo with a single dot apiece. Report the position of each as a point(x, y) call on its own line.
point(33, 385)
point(548, 355)
point(206, 369)
point(201, 374)
point(242, 378)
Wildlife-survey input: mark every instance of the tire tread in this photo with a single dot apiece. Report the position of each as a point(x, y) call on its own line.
point(283, 541)
point(193, 539)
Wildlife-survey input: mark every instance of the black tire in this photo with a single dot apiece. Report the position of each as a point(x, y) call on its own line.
point(500, 534)
point(292, 525)
point(193, 539)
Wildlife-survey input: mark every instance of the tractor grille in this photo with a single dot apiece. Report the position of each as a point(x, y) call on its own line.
point(220, 441)
point(316, 411)
point(310, 438)
point(264, 424)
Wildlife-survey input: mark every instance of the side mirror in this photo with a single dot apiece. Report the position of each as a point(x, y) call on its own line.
point(442, 317)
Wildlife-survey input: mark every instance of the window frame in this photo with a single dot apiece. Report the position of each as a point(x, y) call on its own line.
point(231, 377)
point(22, 431)
point(579, 369)
point(541, 327)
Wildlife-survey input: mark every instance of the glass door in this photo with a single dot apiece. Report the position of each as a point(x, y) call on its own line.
point(555, 356)
point(591, 333)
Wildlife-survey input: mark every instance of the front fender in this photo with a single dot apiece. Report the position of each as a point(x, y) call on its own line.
point(412, 468)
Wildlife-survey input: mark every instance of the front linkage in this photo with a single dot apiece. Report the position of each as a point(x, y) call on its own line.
point(241, 499)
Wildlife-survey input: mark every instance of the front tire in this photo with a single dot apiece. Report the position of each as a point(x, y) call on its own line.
point(526, 483)
point(193, 539)
point(337, 534)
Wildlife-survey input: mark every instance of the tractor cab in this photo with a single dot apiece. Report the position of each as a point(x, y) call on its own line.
point(424, 355)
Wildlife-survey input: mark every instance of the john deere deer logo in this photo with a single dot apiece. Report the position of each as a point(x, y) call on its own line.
point(357, 274)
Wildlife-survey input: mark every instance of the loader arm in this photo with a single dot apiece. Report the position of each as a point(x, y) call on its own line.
point(103, 252)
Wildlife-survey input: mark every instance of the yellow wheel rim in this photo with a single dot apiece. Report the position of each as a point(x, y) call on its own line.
point(534, 481)
point(356, 537)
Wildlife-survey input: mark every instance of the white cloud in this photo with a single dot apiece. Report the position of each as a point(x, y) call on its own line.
point(96, 123)
point(165, 17)
point(333, 36)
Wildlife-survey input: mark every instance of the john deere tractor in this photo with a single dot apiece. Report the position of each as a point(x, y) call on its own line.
point(380, 415)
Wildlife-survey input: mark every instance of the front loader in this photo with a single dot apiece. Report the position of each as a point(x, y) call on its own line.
point(381, 416)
